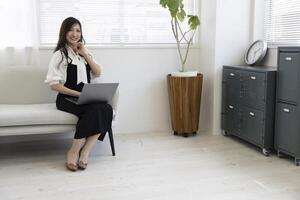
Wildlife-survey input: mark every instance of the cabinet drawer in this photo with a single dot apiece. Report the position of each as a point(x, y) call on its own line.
point(252, 124)
point(253, 89)
point(231, 89)
point(231, 119)
point(287, 133)
point(287, 79)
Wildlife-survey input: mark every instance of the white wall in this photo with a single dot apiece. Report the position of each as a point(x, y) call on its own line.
point(207, 61)
point(271, 58)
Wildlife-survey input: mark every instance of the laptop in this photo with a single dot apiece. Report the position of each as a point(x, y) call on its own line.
point(95, 92)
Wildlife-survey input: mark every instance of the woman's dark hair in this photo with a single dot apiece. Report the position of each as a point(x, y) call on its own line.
point(62, 41)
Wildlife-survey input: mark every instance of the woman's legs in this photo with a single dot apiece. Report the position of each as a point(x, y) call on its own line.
point(85, 151)
point(72, 154)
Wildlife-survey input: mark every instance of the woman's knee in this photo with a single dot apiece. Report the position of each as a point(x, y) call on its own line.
point(102, 106)
point(98, 107)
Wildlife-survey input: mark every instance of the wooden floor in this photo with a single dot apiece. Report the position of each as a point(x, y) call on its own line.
point(148, 167)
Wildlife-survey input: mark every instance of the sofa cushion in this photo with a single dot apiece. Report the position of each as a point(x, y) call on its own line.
point(34, 114)
point(28, 82)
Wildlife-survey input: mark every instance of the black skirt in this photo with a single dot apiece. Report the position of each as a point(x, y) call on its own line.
point(93, 119)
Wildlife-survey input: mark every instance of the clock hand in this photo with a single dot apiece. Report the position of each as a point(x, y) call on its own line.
point(256, 51)
point(254, 55)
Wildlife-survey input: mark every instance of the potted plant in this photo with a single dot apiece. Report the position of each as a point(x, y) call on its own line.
point(184, 87)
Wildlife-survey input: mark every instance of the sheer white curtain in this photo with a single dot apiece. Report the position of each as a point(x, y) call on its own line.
point(19, 33)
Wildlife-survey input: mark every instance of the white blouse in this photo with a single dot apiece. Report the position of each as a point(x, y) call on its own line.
point(57, 71)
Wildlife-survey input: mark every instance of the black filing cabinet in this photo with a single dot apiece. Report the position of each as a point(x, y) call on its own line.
point(287, 122)
point(248, 104)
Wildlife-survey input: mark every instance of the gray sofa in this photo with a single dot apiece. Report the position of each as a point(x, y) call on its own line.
point(27, 104)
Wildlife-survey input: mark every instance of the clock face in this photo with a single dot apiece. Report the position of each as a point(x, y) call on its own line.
point(256, 52)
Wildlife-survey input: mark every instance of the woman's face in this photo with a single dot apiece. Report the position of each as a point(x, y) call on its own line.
point(73, 35)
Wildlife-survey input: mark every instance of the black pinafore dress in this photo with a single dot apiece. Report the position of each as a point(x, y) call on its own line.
point(93, 118)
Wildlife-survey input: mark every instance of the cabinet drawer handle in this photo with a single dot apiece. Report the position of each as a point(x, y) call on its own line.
point(230, 106)
point(253, 77)
point(286, 110)
point(251, 113)
point(231, 74)
point(288, 58)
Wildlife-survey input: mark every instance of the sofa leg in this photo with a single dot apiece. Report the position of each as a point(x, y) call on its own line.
point(111, 140)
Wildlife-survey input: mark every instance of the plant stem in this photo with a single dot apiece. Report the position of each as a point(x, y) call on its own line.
point(183, 34)
point(173, 29)
point(188, 47)
point(177, 41)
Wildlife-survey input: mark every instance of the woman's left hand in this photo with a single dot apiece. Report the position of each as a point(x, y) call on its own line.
point(82, 50)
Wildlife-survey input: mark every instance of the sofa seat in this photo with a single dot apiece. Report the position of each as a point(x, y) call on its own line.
point(34, 114)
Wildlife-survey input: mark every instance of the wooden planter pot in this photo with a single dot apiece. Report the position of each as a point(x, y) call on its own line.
point(185, 100)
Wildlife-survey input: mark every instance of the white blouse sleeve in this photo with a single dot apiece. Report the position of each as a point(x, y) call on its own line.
point(56, 71)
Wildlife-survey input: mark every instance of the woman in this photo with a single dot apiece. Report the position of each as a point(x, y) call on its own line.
point(71, 67)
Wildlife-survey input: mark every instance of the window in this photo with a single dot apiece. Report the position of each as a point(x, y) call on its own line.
point(109, 22)
point(282, 22)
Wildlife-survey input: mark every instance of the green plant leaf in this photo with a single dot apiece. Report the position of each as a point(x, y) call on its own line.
point(181, 15)
point(172, 5)
point(194, 21)
point(163, 3)
point(181, 5)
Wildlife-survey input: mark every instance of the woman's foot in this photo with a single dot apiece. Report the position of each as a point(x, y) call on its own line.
point(82, 165)
point(85, 151)
point(83, 159)
point(72, 158)
point(71, 167)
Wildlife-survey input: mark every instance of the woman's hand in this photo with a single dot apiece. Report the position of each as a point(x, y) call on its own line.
point(81, 49)
point(78, 94)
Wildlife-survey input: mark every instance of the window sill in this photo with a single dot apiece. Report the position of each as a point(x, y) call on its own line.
point(127, 46)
